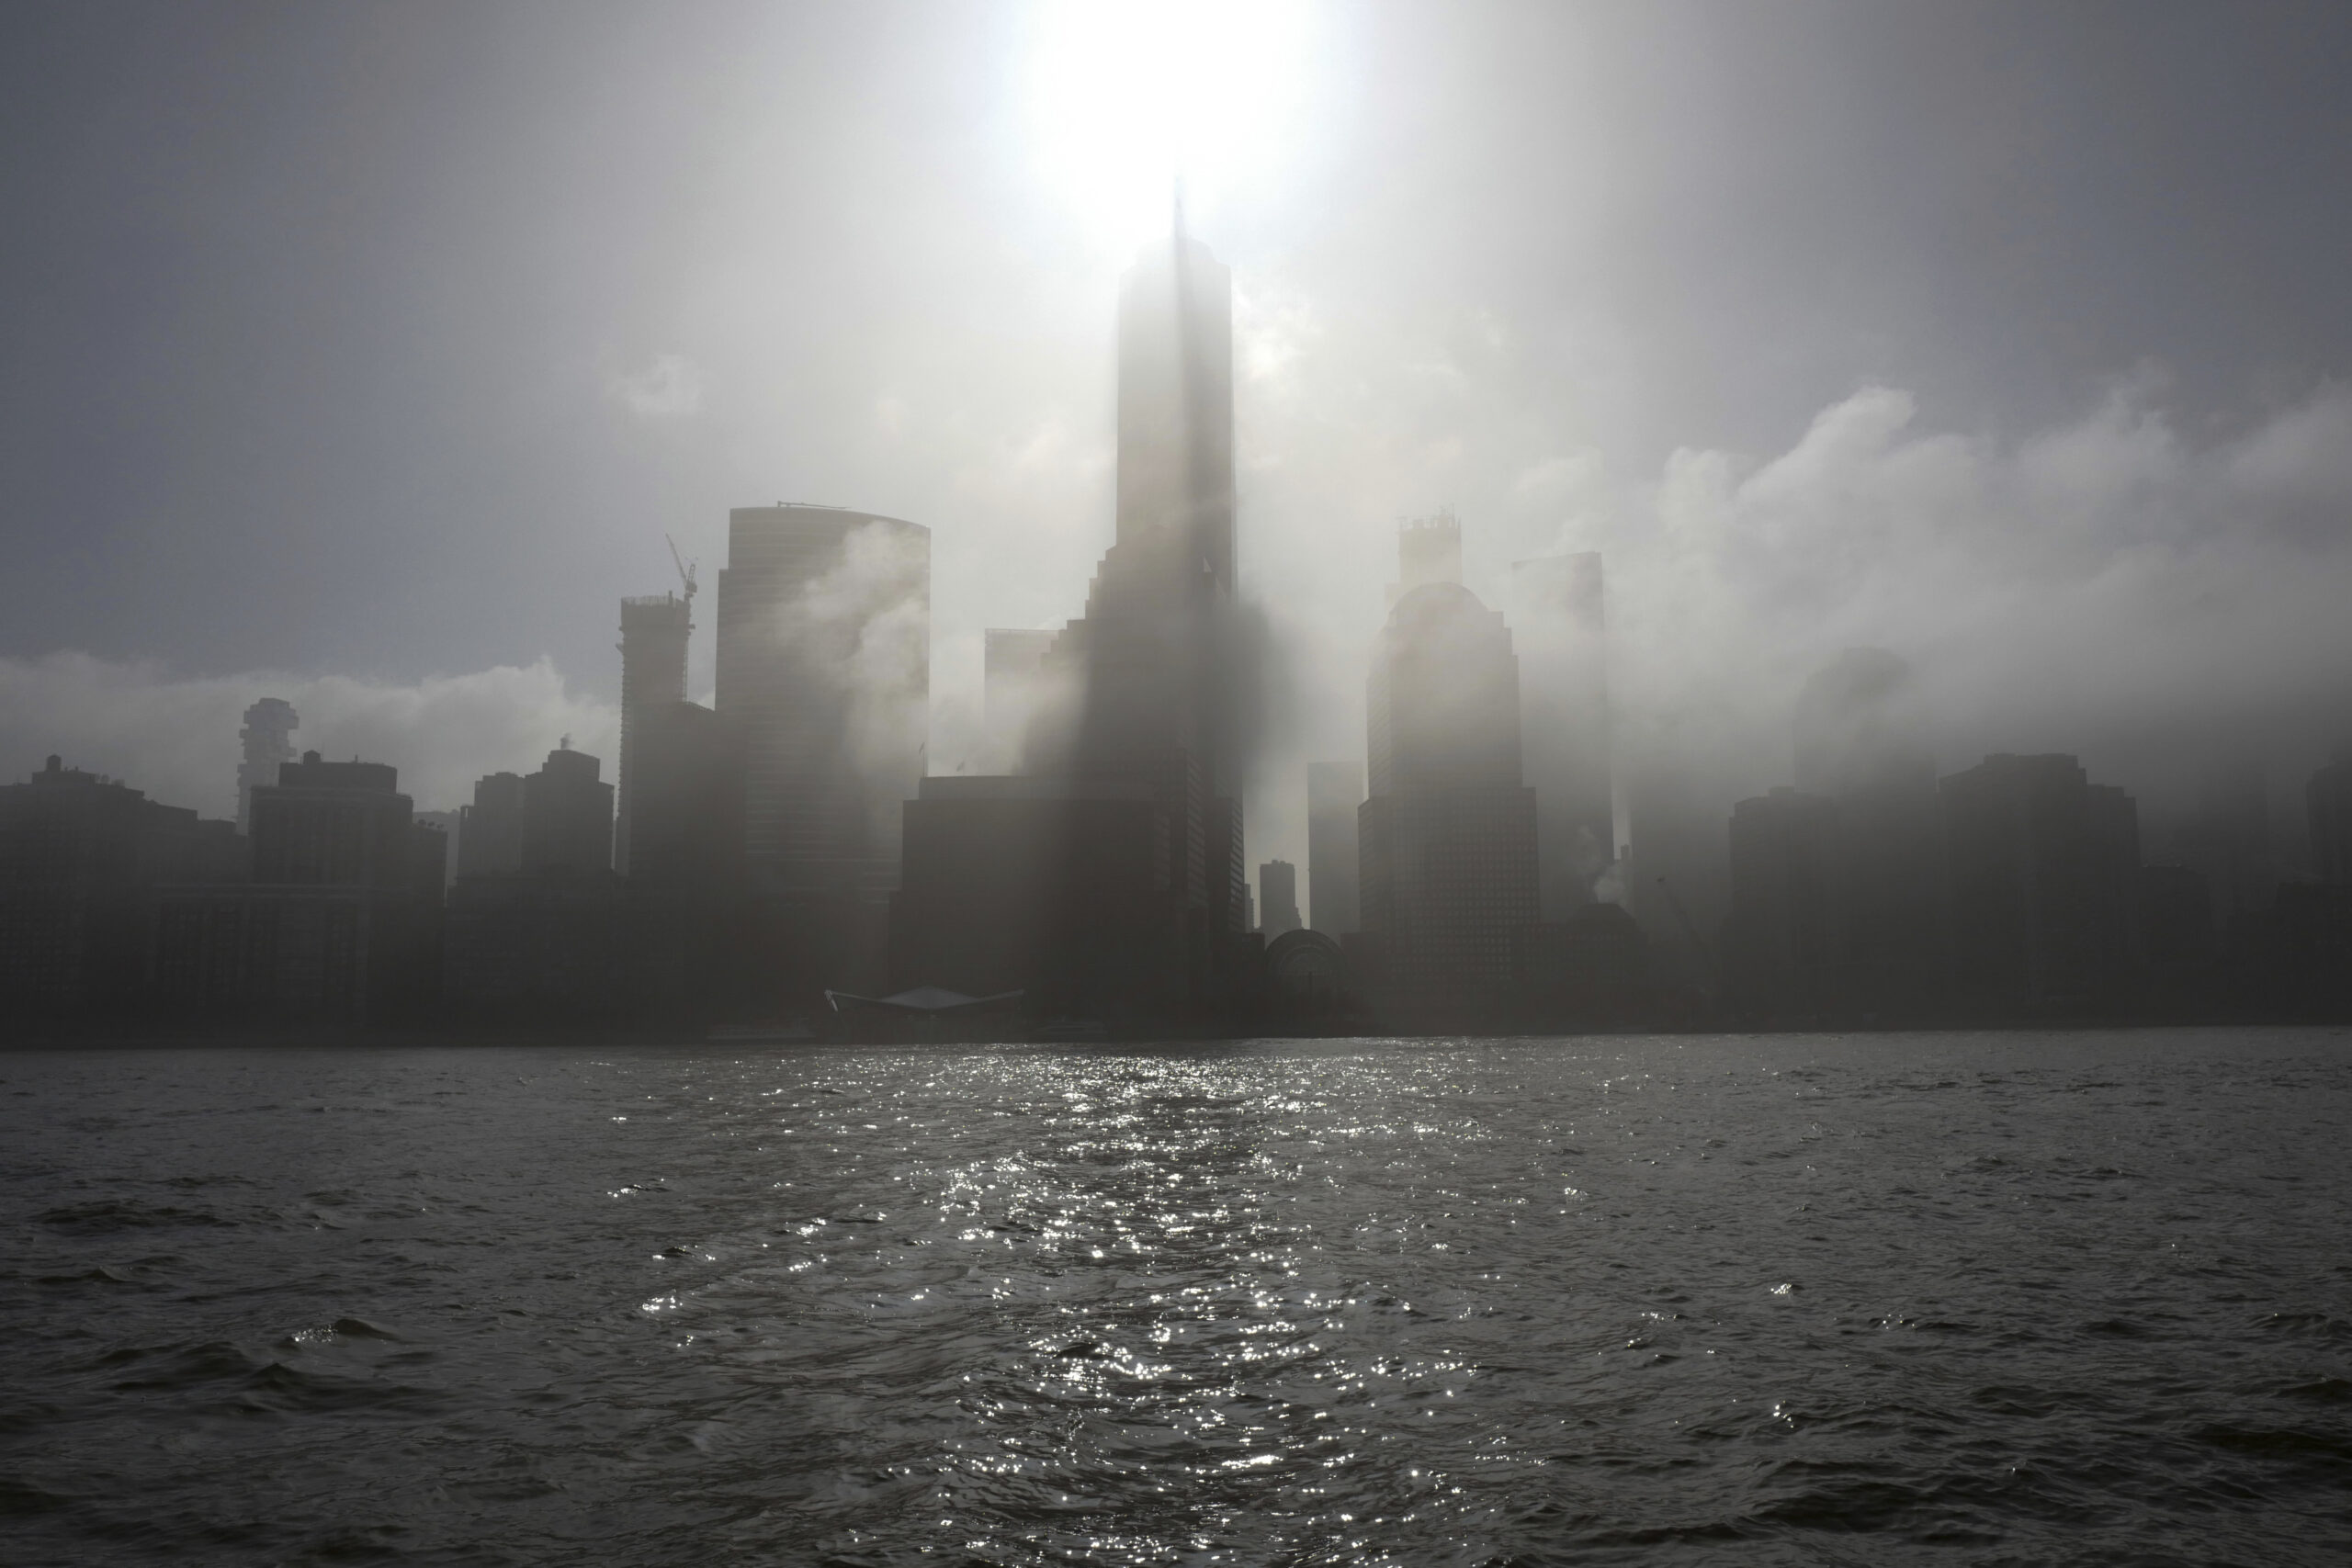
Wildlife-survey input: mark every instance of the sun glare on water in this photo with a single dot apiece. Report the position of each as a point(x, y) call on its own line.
point(1122, 100)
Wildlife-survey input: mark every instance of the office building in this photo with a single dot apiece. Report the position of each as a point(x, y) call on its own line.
point(267, 743)
point(82, 859)
point(1334, 792)
point(1447, 837)
point(655, 633)
point(490, 829)
point(567, 816)
point(1429, 549)
point(690, 929)
point(1859, 740)
point(2328, 798)
point(2044, 869)
point(1278, 898)
point(824, 669)
point(1108, 876)
point(1557, 628)
point(340, 920)
point(1782, 938)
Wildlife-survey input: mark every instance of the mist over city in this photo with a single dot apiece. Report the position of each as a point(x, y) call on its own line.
point(1280, 783)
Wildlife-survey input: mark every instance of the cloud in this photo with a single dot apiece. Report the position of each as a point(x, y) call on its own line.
point(665, 387)
point(176, 736)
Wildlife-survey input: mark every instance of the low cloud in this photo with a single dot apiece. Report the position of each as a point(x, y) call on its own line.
point(665, 387)
point(176, 736)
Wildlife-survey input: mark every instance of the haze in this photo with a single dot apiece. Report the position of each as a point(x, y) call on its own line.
point(364, 354)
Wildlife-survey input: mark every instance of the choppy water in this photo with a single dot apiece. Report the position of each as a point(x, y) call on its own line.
point(1856, 1300)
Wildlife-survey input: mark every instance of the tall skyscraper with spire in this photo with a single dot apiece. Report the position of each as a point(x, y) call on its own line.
point(1109, 872)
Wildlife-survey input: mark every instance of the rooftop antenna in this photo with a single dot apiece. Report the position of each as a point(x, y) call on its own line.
point(1177, 224)
point(685, 568)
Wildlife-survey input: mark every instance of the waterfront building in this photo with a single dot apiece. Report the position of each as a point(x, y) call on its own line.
point(1558, 630)
point(1447, 836)
point(1278, 898)
point(1334, 792)
point(82, 859)
point(341, 919)
point(567, 816)
point(824, 669)
point(2328, 797)
point(2044, 869)
point(266, 742)
point(655, 631)
point(1108, 875)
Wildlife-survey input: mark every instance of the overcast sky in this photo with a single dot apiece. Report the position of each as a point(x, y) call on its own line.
point(363, 354)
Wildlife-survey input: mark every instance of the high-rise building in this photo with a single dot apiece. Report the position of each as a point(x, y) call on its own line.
point(1558, 627)
point(340, 920)
point(2328, 797)
point(1429, 549)
point(1447, 837)
point(1859, 741)
point(1781, 938)
point(824, 669)
point(82, 861)
point(1031, 882)
point(267, 742)
point(1334, 792)
point(490, 829)
point(1278, 898)
point(2044, 870)
point(2228, 839)
point(655, 631)
point(567, 816)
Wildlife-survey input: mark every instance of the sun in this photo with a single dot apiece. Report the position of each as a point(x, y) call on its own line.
point(1121, 101)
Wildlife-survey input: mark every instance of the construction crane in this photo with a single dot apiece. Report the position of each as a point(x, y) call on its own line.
point(685, 568)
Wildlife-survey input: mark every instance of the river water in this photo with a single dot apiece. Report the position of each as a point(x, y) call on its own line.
point(1981, 1299)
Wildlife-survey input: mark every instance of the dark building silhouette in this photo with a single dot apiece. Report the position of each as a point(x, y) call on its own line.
point(567, 815)
point(1782, 941)
point(267, 741)
point(490, 830)
point(1107, 877)
point(1278, 893)
point(1859, 741)
point(1558, 628)
point(824, 667)
point(447, 824)
point(340, 920)
point(1447, 837)
point(2177, 928)
point(690, 929)
point(1589, 969)
point(655, 631)
point(82, 859)
point(539, 932)
point(1307, 981)
point(2328, 797)
point(2228, 840)
point(1334, 793)
point(2043, 870)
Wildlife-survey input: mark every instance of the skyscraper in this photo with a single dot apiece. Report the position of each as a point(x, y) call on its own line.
point(824, 667)
point(1334, 791)
point(2328, 797)
point(655, 631)
point(1448, 836)
point(1278, 894)
point(567, 816)
point(1129, 886)
point(1014, 683)
point(1557, 628)
point(1859, 741)
point(267, 737)
point(2044, 868)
